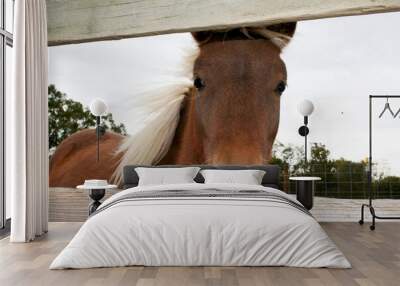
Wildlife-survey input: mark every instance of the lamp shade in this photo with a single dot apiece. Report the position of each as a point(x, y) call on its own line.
point(98, 107)
point(306, 107)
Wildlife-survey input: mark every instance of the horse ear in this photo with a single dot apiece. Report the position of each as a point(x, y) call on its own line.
point(202, 36)
point(287, 29)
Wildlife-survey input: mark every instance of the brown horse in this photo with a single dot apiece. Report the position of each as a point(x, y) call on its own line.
point(229, 114)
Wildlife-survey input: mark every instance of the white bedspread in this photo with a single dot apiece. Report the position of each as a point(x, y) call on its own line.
point(200, 231)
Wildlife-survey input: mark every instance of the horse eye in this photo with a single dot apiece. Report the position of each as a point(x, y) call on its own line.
point(199, 83)
point(280, 88)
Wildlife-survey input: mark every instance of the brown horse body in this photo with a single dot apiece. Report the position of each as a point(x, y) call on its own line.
point(75, 159)
point(230, 116)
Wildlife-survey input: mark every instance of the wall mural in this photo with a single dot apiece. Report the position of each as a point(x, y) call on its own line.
point(225, 111)
point(215, 98)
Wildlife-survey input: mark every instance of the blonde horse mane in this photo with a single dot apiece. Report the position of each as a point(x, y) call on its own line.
point(157, 111)
point(156, 118)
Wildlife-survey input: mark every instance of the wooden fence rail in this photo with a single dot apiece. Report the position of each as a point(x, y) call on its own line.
point(78, 21)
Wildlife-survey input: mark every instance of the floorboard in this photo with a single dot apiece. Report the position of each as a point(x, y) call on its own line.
point(375, 257)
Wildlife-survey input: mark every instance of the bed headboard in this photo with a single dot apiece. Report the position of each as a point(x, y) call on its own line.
point(270, 179)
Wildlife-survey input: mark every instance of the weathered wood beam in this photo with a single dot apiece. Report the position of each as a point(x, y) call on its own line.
point(78, 21)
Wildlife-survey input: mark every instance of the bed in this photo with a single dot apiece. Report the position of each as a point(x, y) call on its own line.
point(201, 224)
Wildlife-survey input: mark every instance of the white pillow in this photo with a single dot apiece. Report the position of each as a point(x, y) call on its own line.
point(248, 177)
point(162, 176)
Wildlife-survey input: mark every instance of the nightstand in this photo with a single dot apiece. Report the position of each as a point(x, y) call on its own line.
point(96, 193)
point(305, 190)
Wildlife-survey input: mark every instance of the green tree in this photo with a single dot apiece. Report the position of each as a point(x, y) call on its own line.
point(287, 157)
point(387, 187)
point(319, 153)
point(290, 159)
point(67, 116)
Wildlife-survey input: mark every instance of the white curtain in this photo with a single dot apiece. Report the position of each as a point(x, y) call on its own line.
point(28, 123)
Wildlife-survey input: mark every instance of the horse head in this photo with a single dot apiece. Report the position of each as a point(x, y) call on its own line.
point(239, 78)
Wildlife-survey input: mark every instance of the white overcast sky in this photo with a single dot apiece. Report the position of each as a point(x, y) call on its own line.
point(336, 63)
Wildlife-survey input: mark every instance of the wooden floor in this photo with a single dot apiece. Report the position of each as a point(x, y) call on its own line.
point(375, 257)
